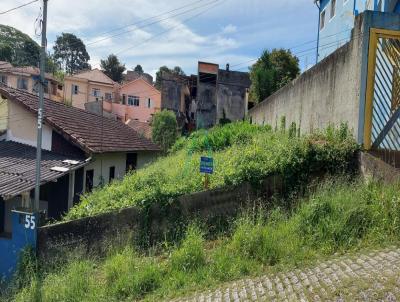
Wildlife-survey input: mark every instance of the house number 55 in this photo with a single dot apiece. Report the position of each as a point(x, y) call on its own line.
point(30, 222)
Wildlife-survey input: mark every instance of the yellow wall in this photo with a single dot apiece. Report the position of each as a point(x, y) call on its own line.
point(85, 91)
point(3, 114)
point(12, 81)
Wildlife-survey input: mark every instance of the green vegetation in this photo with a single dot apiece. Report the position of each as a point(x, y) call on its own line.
point(113, 68)
point(273, 70)
point(70, 53)
point(338, 216)
point(164, 129)
point(18, 48)
point(241, 151)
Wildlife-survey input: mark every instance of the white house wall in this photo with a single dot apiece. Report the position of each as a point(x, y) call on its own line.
point(145, 158)
point(101, 164)
point(22, 127)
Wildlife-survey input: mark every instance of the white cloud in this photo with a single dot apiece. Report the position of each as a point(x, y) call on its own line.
point(221, 33)
point(229, 29)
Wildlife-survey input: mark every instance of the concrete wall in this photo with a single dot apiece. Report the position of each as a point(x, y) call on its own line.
point(95, 233)
point(232, 95)
point(373, 166)
point(206, 115)
point(173, 91)
point(327, 93)
point(22, 127)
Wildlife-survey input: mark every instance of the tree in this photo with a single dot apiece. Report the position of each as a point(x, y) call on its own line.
point(178, 71)
point(18, 48)
point(286, 67)
point(164, 69)
point(164, 129)
point(113, 68)
point(139, 69)
point(70, 52)
point(272, 71)
point(51, 65)
point(6, 53)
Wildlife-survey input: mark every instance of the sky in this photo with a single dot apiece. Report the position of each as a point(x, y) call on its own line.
point(154, 33)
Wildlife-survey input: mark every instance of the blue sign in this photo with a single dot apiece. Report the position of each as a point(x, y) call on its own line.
point(207, 165)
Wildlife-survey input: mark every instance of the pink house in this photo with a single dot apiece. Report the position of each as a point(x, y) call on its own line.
point(139, 101)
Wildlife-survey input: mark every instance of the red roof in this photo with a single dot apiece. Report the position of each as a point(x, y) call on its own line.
point(92, 133)
point(142, 128)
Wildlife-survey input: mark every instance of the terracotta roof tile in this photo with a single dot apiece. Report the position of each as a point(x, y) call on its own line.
point(142, 128)
point(89, 131)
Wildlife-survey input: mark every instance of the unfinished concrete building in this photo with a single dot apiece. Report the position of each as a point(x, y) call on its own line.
point(211, 97)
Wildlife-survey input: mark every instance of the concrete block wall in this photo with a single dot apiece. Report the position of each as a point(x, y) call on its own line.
point(95, 234)
point(327, 93)
point(332, 91)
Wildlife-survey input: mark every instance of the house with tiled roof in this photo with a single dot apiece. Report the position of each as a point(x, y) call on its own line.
point(81, 150)
point(27, 78)
point(87, 87)
point(139, 101)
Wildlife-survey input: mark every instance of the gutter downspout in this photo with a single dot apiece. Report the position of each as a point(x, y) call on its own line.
point(319, 26)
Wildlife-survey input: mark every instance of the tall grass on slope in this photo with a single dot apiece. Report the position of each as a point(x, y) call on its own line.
point(340, 216)
point(243, 152)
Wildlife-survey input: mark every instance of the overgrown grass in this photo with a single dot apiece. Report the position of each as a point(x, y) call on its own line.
point(241, 152)
point(337, 217)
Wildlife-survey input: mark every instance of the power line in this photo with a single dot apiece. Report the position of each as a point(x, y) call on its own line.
point(150, 18)
point(302, 44)
point(148, 24)
point(216, 2)
point(18, 7)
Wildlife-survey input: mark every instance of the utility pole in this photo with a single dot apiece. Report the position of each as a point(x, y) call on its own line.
point(40, 106)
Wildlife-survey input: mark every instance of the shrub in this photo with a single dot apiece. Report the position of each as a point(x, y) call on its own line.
point(164, 129)
point(227, 264)
point(190, 256)
point(75, 282)
point(242, 152)
point(130, 276)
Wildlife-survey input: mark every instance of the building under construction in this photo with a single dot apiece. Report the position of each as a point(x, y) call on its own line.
point(211, 97)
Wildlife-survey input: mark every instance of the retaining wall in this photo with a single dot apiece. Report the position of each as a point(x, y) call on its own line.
point(94, 234)
point(326, 93)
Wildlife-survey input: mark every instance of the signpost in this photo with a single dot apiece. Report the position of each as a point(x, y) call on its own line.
point(206, 167)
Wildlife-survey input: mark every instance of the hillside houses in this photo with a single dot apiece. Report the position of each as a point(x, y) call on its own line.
point(211, 97)
point(81, 151)
point(94, 91)
point(27, 78)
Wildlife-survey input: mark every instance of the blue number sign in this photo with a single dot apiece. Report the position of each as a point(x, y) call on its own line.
point(207, 165)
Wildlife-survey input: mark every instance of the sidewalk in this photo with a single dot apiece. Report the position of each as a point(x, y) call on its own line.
point(373, 276)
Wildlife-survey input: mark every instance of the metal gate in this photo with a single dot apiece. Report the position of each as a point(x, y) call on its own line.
point(382, 111)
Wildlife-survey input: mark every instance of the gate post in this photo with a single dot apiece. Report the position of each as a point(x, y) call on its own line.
point(24, 235)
